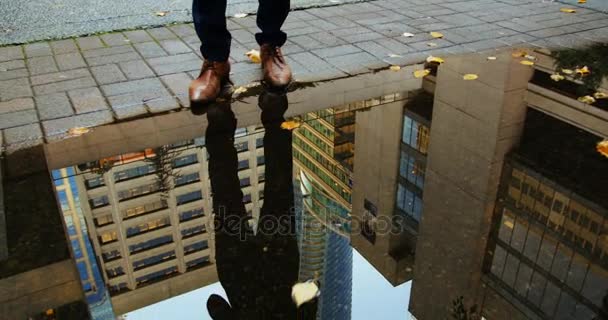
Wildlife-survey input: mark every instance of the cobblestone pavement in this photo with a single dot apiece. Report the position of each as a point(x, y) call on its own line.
point(46, 88)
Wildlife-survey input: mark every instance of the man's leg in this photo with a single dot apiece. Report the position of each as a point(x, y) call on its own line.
point(210, 24)
point(271, 16)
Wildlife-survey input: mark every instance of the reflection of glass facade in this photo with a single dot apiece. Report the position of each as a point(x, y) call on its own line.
point(412, 161)
point(550, 246)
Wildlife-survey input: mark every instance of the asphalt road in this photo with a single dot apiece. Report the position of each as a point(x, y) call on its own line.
point(24, 21)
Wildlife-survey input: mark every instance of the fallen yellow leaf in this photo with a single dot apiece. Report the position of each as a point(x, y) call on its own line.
point(491, 58)
point(527, 62)
point(254, 56)
point(290, 125)
point(408, 35)
point(395, 68)
point(78, 131)
point(600, 95)
point(431, 44)
point(567, 10)
point(240, 90)
point(586, 99)
point(392, 55)
point(602, 148)
point(518, 54)
point(469, 76)
point(436, 35)
point(161, 13)
point(49, 312)
point(582, 1)
point(434, 59)
point(240, 15)
point(567, 71)
point(582, 71)
point(557, 77)
point(421, 73)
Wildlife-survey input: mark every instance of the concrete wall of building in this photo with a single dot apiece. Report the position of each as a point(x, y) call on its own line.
point(475, 123)
point(35, 291)
point(168, 288)
point(378, 136)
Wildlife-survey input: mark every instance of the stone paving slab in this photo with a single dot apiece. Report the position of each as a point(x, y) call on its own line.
point(46, 88)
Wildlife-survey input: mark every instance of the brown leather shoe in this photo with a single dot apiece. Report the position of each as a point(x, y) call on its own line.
point(208, 85)
point(276, 71)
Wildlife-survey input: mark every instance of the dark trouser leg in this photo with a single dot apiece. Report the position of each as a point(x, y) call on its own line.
point(210, 24)
point(271, 15)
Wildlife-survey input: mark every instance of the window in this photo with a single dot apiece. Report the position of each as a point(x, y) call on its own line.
point(203, 261)
point(261, 160)
point(95, 182)
point(138, 191)
point(368, 232)
point(116, 272)
point(76, 249)
point(247, 198)
point(370, 207)
point(156, 276)
point(153, 260)
point(259, 142)
point(108, 236)
point(243, 164)
point(110, 255)
point(241, 146)
point(99, 202)
point(186, 179)
point(189, 197)
point(145, 208)
point(148, 226)
point(245, 182)
point(197, 246)
point(134, 172)
point(103, 220)
point(190, 232)
point(157, 242)
point(415, 134)
point(184, 160)
point(191, 214)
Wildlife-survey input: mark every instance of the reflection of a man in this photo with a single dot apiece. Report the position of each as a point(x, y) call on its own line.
point(257, 272)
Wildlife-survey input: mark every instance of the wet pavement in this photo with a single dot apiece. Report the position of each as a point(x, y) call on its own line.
point(474, 183)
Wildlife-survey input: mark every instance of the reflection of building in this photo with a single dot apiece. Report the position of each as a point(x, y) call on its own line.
point(550, 249)
point(96, 294)
point(149, 217)
point(387, 139)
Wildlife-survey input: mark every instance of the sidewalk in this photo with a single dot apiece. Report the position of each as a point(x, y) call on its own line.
point(46, 88)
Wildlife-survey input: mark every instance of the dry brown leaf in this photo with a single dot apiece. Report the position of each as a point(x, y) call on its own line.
point(434, 59)
point(161, 13)
point(602, 148)
point(600, 95)
point(395, 68)
point(254, 56)
point(557, 77)
point(436, 35)
point(78, 131)
point(527, 62)
point(586, 99)
point(567, 10)
point(470, 76)
point(421, 73)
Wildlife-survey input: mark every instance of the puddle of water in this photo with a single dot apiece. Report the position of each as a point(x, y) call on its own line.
point(487, 194)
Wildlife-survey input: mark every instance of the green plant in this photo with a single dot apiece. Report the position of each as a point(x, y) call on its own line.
point(594, 57)
point(460, 312)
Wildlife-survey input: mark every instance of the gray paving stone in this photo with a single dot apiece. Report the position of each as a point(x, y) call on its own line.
point(311, 62)
point(88, 43)
point(178, 85)
point(137, 36)
point(15, 88)
point(306, 30)
point(325, 24)
point(11, 53)
point(16, 105)
point(195, 44)
point(183, 30)
point(55, 105)
point(13, 74)
point(393, 29)
point(58, 128)
point(327, 39)
point(459, 19)
point(307, 42)
point(59, 76)
point(242, 36)
point(114, 39)
point(161, 33)
point(64, 85)
point(246, 22)
point(19, 118)
point(356, 63)
point(175, 46)
point(128, 105)
point(11, 65)
point(115, 58)
point(107, 51)
point(174, 64)
point(354, 38)
point(290, 47)
point(132, 86)
point(109, 73)
point(336, 51)
point(150, 49)
point(87, 100)
point(41, 65)
point(23, 137)
point(37, 49)
point(69, 61)
point(137, 69)
point(64, 46)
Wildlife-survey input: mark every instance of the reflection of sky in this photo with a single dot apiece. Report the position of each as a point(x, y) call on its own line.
point(373, 298)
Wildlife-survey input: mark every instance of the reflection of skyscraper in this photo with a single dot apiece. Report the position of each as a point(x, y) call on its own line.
point(549, 249)
point(148, 214)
